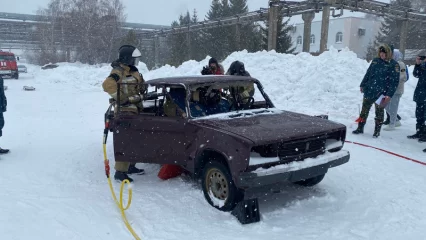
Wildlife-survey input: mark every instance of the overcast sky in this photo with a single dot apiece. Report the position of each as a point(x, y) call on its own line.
point(161, 12)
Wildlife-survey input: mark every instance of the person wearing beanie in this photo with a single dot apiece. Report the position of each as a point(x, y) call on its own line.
point(214, 68)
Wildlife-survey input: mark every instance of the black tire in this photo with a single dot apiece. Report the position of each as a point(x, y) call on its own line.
point(311, 181)
point(16, 76)
point(224, 190)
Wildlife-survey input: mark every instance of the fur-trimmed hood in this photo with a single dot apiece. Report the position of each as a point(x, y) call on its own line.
point(387, 49)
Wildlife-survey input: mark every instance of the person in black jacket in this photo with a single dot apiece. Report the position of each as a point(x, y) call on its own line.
point(420, 99)
point(3, 107)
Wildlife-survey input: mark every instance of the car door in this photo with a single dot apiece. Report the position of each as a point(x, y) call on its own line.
point(152, 139)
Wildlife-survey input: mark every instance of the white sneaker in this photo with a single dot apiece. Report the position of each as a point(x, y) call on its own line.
point(389, 128)
point(398, 124)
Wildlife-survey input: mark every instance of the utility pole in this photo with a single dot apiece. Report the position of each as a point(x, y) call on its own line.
point(325, 23)
point(307, 18)
point(403, 39)
point(273, 27)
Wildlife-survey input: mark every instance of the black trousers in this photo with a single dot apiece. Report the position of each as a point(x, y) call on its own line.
point(420, 114)
point(1, 124)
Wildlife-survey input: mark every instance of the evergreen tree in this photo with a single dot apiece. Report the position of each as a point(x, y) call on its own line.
point(215, 11)
point(227, 33)
point(217, 42)
point(178, 42)
point(284, 44)
point(238, 6)
point(198, 48)
point(223, 39)
point(214, 37)
point(250, 36)
point(390, 31)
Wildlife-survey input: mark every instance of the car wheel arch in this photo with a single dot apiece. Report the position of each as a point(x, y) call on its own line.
point(207, 154)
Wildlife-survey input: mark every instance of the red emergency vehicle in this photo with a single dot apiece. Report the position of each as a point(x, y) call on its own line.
point(8, 65)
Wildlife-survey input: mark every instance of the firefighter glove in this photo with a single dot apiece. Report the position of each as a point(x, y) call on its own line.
point(134, 99)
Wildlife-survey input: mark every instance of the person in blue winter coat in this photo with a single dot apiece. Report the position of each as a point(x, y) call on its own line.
point(3, 107)
point(381, 79)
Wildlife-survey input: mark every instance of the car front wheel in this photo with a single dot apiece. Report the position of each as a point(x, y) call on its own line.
point(311, 181)
point(219, 188)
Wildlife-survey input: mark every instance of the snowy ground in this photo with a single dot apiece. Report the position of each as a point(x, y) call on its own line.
point(53, 184)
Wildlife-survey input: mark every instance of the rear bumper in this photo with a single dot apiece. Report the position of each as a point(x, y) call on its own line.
point(8, 72)
point(293, 172)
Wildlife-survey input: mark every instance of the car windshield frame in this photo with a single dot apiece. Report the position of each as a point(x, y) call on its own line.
point(224, 85)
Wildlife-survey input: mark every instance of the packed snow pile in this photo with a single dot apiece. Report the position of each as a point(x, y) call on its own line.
point(77, 75)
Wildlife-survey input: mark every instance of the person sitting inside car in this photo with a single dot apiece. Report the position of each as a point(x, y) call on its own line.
point(207, 101)
point(175, 102)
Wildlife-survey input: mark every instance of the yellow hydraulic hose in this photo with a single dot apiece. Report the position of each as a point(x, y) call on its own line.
point(120, 204)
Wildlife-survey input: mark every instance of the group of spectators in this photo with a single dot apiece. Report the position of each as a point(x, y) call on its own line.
point(383, 86)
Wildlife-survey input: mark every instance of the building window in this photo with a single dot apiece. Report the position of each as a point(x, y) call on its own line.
point(312, 39)
point(299, 40)
point(339, 37)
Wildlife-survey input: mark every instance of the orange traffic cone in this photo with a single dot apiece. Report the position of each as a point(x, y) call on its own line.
point(168, 171)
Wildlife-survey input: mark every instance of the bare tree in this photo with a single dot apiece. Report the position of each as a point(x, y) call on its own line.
point(89, 27)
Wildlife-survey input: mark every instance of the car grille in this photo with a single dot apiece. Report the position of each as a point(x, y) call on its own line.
point(299, 150)
point(296, 150)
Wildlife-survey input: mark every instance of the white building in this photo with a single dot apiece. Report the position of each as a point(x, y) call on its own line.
point(353, 32)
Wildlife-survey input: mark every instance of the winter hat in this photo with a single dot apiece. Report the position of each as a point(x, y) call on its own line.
point(213, 60)
point(236, 68)
point(397, 55)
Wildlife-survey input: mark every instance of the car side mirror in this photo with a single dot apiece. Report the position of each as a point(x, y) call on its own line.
point(17, 58)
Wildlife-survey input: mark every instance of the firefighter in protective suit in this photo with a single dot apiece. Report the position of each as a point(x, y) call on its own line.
point(244, 93)
point(125, 71)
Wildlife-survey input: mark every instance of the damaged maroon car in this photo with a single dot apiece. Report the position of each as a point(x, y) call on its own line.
point(232, 143)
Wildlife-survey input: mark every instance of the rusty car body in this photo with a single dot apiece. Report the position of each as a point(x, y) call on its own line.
point(244, 147)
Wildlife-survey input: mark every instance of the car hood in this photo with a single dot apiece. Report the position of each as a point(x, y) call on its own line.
point(269, 125)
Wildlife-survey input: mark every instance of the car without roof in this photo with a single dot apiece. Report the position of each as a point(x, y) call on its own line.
point(247, 144)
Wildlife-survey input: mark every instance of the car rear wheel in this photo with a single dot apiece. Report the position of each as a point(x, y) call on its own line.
point(311, 181)
point(219, 188)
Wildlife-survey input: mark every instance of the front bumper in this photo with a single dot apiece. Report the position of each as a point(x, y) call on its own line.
point(293, 172)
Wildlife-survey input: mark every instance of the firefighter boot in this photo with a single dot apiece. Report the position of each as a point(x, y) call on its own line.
point(121, 176)
point(134, 170)
point(377, 128)
point(360, 128)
